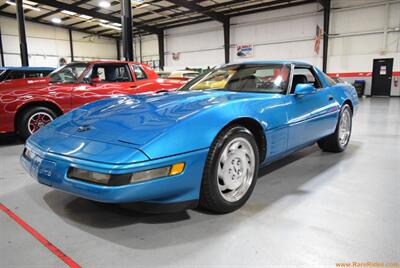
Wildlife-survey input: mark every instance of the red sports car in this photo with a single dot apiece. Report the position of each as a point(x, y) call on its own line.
point(26, 108)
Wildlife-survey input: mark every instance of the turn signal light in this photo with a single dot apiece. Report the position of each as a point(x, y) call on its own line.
point(124, 179)
point(176, 169)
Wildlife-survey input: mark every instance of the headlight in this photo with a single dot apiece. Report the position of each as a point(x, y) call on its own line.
point(123, 179)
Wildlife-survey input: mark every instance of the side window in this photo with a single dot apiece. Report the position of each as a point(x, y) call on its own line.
point(33, 74)
point(15, 75)
point(111, 73)
point(304, 75)
point(139, 72)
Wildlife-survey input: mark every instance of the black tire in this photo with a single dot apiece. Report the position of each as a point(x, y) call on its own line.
point(23, 120)
point(332, 142)
point(210, 197)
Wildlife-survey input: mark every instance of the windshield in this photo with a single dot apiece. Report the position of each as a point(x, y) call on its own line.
point(69, 73)
point(268, 78)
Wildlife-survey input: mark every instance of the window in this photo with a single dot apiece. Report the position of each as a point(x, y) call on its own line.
point(3, 75)
point(15, 75)
point(268, 78)
point(34, 74)
point(139, 72)
point(110, 73)
point(69, 73)
point(303, 75)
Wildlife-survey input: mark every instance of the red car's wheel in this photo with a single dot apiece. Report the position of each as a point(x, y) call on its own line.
point(33, 119)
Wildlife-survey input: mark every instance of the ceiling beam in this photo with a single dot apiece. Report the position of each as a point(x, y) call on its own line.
point(94, 14)
point(250, 10)
point(58, 10)
point(200, 9)
point(235, 12)
point(13, 16)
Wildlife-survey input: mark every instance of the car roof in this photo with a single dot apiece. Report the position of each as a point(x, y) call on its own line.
point(107, 61)
point(267, 62)
point(27, 68)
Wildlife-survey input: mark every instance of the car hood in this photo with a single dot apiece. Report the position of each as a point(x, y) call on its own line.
point(158, 125)
point(137, 119)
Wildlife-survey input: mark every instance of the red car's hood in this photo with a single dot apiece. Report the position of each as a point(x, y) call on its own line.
point(23, 82)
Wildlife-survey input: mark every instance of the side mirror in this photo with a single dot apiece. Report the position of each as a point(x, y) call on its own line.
point(95, 80)
point(304, 89)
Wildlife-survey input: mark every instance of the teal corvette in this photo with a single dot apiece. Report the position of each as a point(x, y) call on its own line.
point(201, 145)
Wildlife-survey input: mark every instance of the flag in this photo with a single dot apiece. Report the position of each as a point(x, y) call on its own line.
point(317, 40)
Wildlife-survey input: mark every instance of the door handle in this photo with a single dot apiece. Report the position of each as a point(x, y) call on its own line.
point(330, 98)
point(134, 87)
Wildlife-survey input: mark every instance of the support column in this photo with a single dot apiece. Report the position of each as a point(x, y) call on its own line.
point(161, 52)
point(71, 45)
point(1, 50)
point(126, 19)
point(118, 46)
point(327, 14)
point(227, 43)
point(140, 47)
point(23, 48)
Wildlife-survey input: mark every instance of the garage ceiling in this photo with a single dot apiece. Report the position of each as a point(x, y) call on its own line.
point(149, 16)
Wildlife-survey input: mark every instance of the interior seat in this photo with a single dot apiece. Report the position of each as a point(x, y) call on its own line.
point(298, 79)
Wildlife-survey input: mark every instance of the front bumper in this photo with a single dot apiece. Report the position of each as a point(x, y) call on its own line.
point(51, 169)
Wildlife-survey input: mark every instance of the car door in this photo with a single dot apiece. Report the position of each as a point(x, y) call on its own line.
point(310, 116)
point(104, 80)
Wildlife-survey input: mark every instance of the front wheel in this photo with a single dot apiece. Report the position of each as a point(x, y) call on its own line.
point(34, 118)
point(338, 141)
point(231, 171)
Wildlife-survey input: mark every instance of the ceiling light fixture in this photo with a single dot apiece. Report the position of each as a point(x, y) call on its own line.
point(24, 6)
point(30, 3)
point(110, 26)
point(71, 13)
point(56, 20)
point(86, 17)
point(104, 4)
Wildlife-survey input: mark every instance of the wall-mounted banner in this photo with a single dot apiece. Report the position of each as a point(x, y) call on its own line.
point(244, 51)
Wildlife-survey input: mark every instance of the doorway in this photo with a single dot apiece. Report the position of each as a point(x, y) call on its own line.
point(382, 77)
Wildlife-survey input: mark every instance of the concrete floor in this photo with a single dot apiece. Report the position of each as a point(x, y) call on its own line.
point(311, 209)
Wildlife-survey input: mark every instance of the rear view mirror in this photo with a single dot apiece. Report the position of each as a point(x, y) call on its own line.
point(304, 89)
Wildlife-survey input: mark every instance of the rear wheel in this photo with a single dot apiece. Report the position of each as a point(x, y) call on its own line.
point(230, 172)
point(337, 142)
point(34, 118)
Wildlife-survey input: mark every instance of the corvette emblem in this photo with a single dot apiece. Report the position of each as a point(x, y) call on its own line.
point(83, 128)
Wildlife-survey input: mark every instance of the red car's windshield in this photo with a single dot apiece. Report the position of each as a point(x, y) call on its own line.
point(69, 73)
